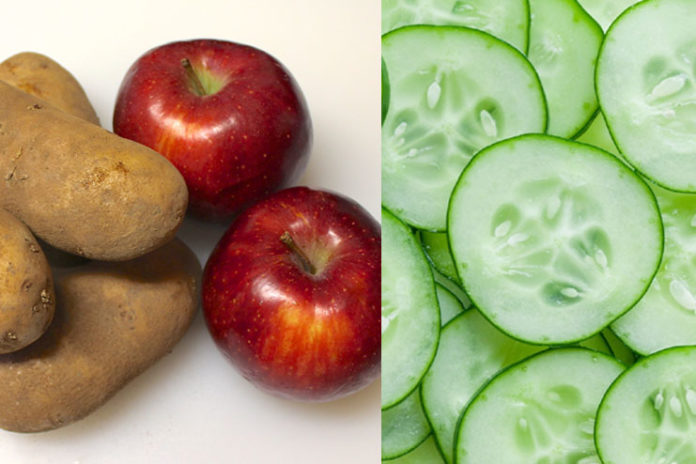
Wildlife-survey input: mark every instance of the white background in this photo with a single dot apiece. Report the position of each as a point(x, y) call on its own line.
point(192, 407)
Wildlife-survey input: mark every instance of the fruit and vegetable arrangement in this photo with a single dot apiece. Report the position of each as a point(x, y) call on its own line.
point(95, 287)
point(539, 205)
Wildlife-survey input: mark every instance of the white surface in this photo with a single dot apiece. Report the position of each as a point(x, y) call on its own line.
point(192, 407)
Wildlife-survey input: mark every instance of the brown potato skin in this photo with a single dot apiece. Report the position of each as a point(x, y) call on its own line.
point(27, 299)
point(81, 188)
point(39, 75)
point(113, 320)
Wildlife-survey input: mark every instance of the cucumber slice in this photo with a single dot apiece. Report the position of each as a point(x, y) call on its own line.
point(470, 353)
point(553, 240)
point(649, 414)
point(506, 19)
point(410, 313)
point(450, 306)
point(426, 453)
point(541, 410)
point(666, 315)
point(606, 11)
point(437, 249)
point(404, 426)
point(385, 90)
point(454, 90)
point(563, 45)
point(647, 89)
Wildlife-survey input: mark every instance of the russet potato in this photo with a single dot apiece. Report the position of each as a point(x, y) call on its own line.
point(81, 188)
point(42, 77)
point(112, 321)
point(27, 299)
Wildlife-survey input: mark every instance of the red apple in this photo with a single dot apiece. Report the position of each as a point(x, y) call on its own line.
point(291, 295)
point(230, 117)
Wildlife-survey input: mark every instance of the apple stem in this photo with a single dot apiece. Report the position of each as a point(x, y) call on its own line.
point(193, 77)
point(292, 246)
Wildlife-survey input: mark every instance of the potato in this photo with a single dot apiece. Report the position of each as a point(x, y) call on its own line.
point(42, 77)
point(112, 321)
point(81, 188)
point(27, 300)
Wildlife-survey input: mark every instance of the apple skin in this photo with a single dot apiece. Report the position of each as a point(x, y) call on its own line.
point(249, 137)
point(308, 337)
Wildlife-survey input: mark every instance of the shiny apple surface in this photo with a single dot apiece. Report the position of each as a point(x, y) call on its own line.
point(229, 116)
point(300, 320)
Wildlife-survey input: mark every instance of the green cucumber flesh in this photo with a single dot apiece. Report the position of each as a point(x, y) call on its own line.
point(646, 84)
point(410, 312)
point(404, 426)
point(666, 315)
point(541, 410)
point(557, 241)
point(605, 11)
point(426, 453)
point(506, 19)
point(454, 90)
point(563, 46)
point(648, 415)
point(470, 353)
point(553, 240)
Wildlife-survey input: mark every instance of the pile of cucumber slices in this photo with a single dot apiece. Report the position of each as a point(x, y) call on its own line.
point(539, 231)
